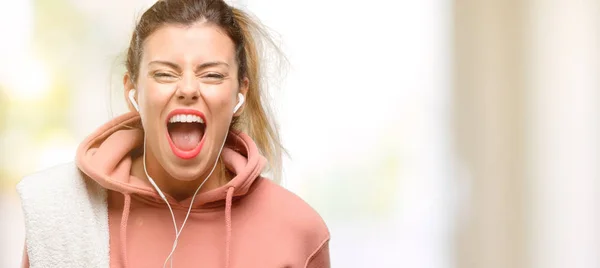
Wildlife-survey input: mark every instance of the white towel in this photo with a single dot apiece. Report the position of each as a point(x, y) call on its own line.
point(66, 219)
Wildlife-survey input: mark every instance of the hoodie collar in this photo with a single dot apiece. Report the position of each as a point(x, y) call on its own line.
point(106, 157)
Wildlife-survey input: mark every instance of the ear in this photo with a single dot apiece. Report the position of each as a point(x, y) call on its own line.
point(244, 90)
point(127, 86)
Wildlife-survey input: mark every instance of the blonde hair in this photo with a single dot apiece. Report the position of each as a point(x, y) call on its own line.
point(257, 120)
point(252, 45)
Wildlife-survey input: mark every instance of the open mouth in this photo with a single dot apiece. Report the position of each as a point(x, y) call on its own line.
point(185, 131)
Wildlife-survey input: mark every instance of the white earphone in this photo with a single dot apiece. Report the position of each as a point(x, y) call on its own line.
point(240, 102)
point(132, 100)
point(137, 108)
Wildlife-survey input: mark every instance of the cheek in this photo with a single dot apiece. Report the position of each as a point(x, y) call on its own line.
point(220, 101)
point(152, 100)
point(221, 109)
point(223, 104)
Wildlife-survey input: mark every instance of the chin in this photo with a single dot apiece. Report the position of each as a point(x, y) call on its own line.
point(185, 176)
point(188, 169)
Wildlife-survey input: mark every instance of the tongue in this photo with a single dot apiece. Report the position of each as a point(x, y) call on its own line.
point(185, 136)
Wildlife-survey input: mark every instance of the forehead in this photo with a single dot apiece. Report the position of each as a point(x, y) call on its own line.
point(193, 43)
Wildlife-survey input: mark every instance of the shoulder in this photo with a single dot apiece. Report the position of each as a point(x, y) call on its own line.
point(57, 183)
point(49, 178)
point(60, 172)
point(291, 211)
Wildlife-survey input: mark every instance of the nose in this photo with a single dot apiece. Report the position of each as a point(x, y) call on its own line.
point(188, 90)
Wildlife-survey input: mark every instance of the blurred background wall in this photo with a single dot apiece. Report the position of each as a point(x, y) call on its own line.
point(432, 133)
point(527, 107)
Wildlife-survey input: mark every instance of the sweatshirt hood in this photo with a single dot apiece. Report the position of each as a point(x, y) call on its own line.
point(106, 156)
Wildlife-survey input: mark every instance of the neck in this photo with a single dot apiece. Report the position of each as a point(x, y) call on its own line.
point(174, 187)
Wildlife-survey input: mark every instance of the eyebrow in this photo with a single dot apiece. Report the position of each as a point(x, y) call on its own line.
point(199, 67)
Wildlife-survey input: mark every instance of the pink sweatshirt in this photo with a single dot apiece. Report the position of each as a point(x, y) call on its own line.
point(249, 222)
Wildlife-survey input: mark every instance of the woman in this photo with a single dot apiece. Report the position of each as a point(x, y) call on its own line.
point(176, 182)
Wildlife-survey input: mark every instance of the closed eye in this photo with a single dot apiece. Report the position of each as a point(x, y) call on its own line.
point(214, 76)
point(163, 75)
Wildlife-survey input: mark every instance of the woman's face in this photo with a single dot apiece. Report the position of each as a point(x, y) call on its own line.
point(186, 90)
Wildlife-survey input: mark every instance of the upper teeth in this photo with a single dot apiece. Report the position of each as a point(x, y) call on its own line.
point(186, 118)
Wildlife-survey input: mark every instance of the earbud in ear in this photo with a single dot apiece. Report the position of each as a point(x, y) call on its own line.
point(132, 99)
point(240, 102)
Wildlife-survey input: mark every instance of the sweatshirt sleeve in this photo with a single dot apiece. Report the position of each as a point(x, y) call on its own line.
point(320, 258)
